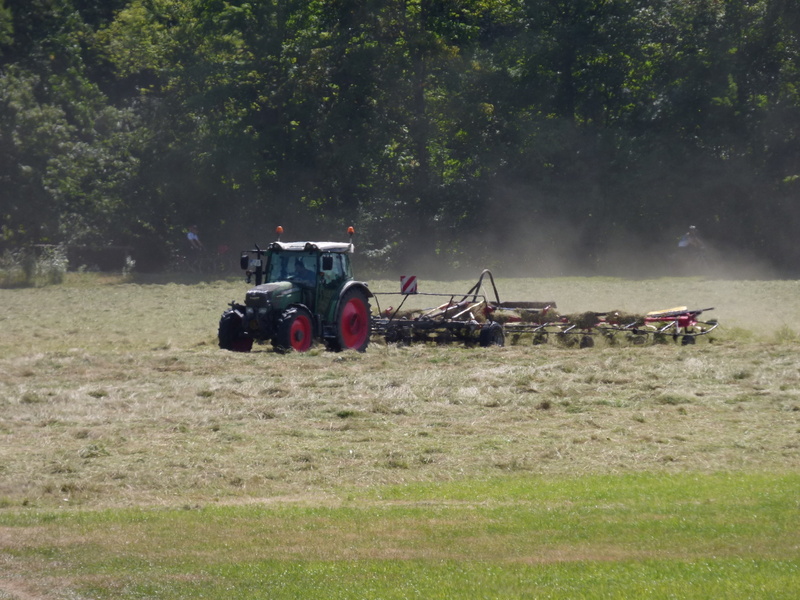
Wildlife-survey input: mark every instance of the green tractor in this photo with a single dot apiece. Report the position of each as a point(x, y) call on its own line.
point(304, 292)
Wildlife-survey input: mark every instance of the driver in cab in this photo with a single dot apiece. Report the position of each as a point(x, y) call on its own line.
point(302, 274)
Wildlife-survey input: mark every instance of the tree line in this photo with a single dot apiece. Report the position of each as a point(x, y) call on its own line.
point(446, 131)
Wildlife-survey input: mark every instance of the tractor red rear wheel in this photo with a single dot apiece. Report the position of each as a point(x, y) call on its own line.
point(352, 321)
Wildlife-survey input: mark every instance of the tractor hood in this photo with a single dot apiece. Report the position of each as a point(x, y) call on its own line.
point(268, 293)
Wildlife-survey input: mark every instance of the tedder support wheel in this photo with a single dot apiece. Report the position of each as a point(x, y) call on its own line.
point(492, 335)
point(230, 333)
point(352, 322)
point(397, 335)
point(295, 330)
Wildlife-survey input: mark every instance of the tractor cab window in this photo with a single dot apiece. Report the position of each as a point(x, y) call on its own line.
point(293, 266)
point(334, 268)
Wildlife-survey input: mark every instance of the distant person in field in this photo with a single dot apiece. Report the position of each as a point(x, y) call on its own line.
point(194, 238)
point(691, 241)
point(693, 250)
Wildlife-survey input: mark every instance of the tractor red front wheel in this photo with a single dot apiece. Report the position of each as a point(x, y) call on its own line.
point(295, 330)
point(352, 323)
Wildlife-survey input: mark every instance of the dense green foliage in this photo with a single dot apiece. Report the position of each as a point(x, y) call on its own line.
point(455, 127)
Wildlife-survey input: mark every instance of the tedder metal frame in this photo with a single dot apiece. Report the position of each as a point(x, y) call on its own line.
point(473, 318)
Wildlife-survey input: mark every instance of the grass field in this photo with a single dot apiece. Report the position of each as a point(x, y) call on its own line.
point(139, 461)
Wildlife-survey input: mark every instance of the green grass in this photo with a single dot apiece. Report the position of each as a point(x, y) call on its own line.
point(643, 535)
point(137, 460)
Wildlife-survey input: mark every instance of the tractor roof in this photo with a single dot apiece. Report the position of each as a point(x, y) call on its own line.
point(342, 247)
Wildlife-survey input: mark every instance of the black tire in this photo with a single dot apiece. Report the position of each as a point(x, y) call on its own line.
point(352, 322)
point(492, 335)
point(396, 335)
point(688, 340)
point(587, 341)
point(230, 333)
point(611, 338)
point(637, 339)
point(567, 339)
point(539, 339)
point(294, 330)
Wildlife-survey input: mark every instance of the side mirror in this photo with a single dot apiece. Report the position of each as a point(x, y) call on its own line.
point(327, 263)
point(244, 261)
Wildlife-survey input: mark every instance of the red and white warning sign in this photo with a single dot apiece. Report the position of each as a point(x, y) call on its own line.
point(408, 284)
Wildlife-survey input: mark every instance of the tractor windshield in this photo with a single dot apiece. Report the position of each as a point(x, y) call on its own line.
point(293, 266)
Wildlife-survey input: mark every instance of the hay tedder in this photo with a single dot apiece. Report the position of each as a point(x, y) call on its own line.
point(472, 318)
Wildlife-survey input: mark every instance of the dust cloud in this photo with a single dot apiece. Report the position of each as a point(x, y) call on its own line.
point(557, 248)
point(521, 232)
